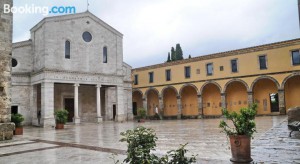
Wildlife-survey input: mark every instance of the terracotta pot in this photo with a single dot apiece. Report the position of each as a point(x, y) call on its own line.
point(240, 149)
point(59, 126)
point(18, 131)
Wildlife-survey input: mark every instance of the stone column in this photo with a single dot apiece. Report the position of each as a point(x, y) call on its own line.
point(179, 107)
point(281, 99)
point(145, 103)
point(33, 105)
point(99, 117)
point(6, 127)
point(250, 98)
point(76, 102)
point(120, 104)
point(161, 105)
point(47, 100)
point(223, 100)
point(200, 107)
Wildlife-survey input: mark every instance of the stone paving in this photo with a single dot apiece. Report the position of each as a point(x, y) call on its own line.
point(94, 143)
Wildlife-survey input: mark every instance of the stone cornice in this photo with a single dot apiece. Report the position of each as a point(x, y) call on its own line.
point(22, 44)
point(72, 72)
point(224, 54)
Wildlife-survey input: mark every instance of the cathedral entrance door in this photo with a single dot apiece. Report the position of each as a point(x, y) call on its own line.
point(69, 106)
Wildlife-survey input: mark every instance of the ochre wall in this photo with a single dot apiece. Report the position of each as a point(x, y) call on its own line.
point(138, 98)
point(236, 96)
point(170, 102)
point(152, 102)
point(261, 94)
point(292, 92)
point(189, 101)
point(211, 99)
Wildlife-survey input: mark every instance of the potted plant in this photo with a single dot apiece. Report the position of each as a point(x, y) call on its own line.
point(241, 133)
point(17, 119)
point(61, 117)
point(141, 115)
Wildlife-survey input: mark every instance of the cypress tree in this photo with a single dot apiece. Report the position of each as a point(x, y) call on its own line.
point(179, 54)
point(173, 54)
point(190, 56)
point(169, 58)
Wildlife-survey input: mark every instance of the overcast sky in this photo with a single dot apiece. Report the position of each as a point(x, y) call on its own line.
point(152, 27)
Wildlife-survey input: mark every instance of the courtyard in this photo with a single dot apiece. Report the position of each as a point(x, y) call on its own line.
point(95, 143)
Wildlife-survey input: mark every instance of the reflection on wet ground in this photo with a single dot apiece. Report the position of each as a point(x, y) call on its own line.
point(94, 143)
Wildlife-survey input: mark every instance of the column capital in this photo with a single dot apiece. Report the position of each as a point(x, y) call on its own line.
point(250, 93)
point(98, 86)
point(280, 90)
point(76, 85)
point(199, 95)
point(223, 94)
point(178, 97)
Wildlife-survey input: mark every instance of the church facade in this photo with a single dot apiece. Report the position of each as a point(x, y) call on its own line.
point(72, 62)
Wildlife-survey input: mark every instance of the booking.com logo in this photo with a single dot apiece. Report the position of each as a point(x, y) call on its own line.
point(33, 9)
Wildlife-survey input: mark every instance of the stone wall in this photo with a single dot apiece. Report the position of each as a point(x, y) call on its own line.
point(6, 128)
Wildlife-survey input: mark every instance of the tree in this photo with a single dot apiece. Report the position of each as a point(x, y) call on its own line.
point(190, 56)
point(178, 52)
point(173, 54)
point(169, 58)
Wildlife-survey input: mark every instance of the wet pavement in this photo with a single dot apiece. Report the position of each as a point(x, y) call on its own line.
point(94, 143)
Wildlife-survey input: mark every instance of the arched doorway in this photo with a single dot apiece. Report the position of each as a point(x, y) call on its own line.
point(211, 100)
point(152, 101)
point(170, 102)
point(292, 92)
point(236, 96)
point(189, 101)
point(137, 101)
point(265, 94)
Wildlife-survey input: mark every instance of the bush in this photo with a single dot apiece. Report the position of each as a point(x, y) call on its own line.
point(61, 116)
point(142, 113)
point(17, 119)
point(243, 122)
point(142, 141)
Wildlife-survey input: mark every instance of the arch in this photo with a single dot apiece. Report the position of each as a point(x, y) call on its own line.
point(137, 100)
point(186, 85)
point(105, 53)
point(148, 90)
point(236, 91)
point(152, 96)
point(235, 80)
point(189, 100)
point(169, 87)
point(292, 90)
point(210, 82)
point(264, 77)
point(288, 77)
point(211, 99)
point(67, 49)
point(265, 94)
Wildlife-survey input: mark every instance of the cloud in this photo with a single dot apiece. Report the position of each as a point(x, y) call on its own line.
point(202, 27)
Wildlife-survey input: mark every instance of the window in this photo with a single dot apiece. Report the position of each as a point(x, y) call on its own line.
point(198, 71)
point(187, 72)
point(150, 77)
point(209, 69)
point(104, 54)
point(14, 109)
point(234, 65)
point(67, 49)
point(221, 68)
point(136, 80)
point(87, 37)
point(14, 62)
point(262, 62)
point(168, 75)
point(296, 57)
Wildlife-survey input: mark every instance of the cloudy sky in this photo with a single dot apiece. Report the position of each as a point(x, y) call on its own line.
point(152, 27)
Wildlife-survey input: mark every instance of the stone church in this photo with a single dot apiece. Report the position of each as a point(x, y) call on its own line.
point(72, 62)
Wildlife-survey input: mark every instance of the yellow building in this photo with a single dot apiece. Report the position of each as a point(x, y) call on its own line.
point(267, 74)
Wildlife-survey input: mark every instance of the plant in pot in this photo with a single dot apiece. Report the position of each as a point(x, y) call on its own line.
point(141, 115)
point(61, 117)
point(241, 133)
point(17, 119)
